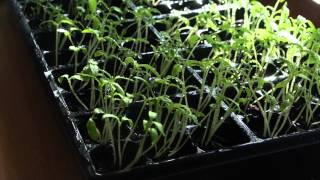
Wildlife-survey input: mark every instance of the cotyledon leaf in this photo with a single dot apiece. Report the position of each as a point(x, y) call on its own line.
point(92, 130)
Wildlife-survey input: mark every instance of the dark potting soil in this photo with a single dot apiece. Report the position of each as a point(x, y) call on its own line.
point(45, 40)
point(65, 57)
point(229, 134)
point(103, 157)
point(188, 148)
point(256, 124)
point(34, 23)
point(156, 60)
point(30, 10)
point(193, 99)
point(69, 70)
point(74, 105)
point(146, 45)
point(299, 107)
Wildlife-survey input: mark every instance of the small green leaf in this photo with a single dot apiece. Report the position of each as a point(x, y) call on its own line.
point(107, 116)
point(263, 34)
point(137, 78)
point(91, 68)
point(98, 111)
point(130, 60)
point(61, 78)
point(284, 105)
point(64, 31)
point(159, 126)
point(125, 119)
point(194, 119)
point(184, 20)
point(289, 97)
point(160, 81)
point(80, 9)
point(303, 76)
point(127, 100)
point(150, 68)
point(99, 53)
point(177, 69)
point(152, 115)
point(74, 29)
point(61, 30)
point(114, 8)
point(154, 135)
point(260, 83)
point(66, 21)
point(92, 6)
point(193, 63)
point(92, 130)
point(110, 40)
point(130, 95)
point(286, 36)
point(243, 100)
point(74, 48)
point(118, 88)
point(193, 40)
point(145, 125)
point(77, 77)
point(91, 31)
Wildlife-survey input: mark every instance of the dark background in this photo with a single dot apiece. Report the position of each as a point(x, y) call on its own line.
point(32, 142)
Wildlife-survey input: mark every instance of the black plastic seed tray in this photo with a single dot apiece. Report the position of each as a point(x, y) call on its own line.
point(239, 142)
